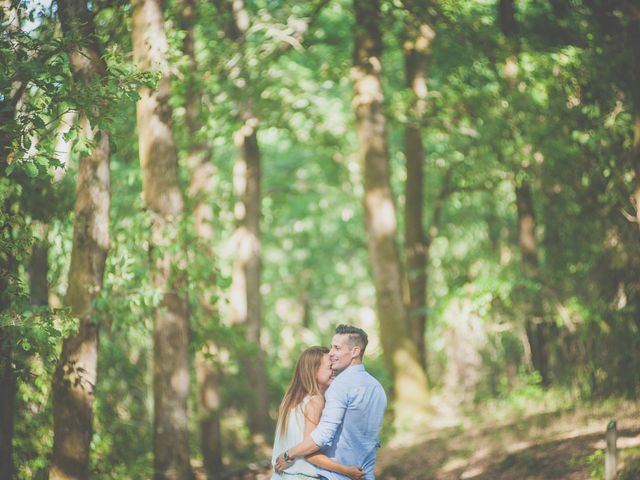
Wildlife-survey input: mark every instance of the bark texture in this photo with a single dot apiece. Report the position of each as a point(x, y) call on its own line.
point(401, 356)
point(201, 183)
point(163, 198)
point(76, 374)
point(416, 49)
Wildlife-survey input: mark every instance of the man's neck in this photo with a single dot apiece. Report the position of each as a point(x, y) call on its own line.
point(353, 363)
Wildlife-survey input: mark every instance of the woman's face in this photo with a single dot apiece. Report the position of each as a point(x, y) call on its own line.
point(325, 374)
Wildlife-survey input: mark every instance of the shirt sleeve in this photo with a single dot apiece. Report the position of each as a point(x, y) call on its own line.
point(335, 407)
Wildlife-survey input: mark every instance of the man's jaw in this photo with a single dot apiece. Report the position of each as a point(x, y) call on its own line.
point(333, 366)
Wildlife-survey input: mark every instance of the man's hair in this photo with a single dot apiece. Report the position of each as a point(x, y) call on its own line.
point(356, 336)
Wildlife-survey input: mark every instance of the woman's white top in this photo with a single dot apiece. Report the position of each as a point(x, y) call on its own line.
point(293, 435)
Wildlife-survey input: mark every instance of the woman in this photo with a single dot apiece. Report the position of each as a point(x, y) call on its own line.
point(300, 412)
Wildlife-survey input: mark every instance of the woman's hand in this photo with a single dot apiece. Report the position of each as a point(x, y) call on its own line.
point(280, 464)
point(355, 473)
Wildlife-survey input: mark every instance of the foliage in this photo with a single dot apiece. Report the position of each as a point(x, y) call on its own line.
point(566, 127)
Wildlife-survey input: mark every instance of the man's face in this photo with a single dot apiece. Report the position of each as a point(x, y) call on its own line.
point(341, 353)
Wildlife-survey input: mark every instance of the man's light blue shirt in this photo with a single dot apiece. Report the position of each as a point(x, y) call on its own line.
point(351, 419)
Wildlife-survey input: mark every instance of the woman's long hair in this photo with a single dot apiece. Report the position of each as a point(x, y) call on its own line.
point(302, 383)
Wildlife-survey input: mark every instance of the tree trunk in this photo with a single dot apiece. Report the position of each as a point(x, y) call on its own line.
point(209, 404)
point(8, 270)
point(636, 162)
point(75, 379)
point(534, 325)
point(635, 151)
point(400, 354)
point(202, 176)
point(9, 104)
point(163, 198)
point(245, 288)
point(245, 308)
point(7, 403)
point(416, 51)
point(534, 318)
point(39, 267)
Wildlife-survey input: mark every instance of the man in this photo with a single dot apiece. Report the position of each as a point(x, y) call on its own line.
point(355, 403)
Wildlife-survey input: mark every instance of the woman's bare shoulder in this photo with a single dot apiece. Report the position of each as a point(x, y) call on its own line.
point(316, 402)
point(313, 409)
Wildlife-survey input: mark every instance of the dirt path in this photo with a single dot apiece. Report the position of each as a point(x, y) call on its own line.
point(554, 445)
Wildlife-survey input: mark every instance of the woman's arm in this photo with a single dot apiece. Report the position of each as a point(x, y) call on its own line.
point(312, 414)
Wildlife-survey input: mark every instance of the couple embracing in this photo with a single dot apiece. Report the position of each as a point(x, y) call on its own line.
point(330, 416)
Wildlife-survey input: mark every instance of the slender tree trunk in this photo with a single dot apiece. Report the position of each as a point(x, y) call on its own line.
point(7, 403)
point(401, 356)
point(8, 270)
point(416, 51)
point(636, 163)
point(39, 267)
point(634, 39)
point(306, 305)
point(202, 176)
point(75, 379)
point(163, 198)
point(534, 322)
point(209, 404)
point(245, 306)
point(534, 326)
point(245, 288)
point(10, 104)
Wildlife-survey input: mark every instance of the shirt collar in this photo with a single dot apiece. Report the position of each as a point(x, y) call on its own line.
point(354, 368)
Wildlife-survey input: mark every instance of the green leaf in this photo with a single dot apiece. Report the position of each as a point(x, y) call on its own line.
point(31, 170)
point(42, 161)
point(38, 122)
point(71, 135)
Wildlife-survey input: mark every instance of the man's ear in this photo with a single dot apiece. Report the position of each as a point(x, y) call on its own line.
point(355, 352)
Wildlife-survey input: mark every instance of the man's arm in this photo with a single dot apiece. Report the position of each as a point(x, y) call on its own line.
point(335, 407)
point(302, 449)
point(312, 418)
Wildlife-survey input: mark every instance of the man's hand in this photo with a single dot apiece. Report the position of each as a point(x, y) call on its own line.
point(355, 473)
point(281, 464)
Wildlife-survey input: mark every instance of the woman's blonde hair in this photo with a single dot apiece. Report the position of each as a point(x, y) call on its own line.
point(303, 383)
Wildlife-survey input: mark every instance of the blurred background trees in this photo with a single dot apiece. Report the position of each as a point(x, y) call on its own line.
point(501, 139)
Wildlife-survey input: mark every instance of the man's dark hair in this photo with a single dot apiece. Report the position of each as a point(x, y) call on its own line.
point(357, 336)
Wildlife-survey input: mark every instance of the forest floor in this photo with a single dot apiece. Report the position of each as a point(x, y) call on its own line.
point(502, 443)
point(558, 443)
